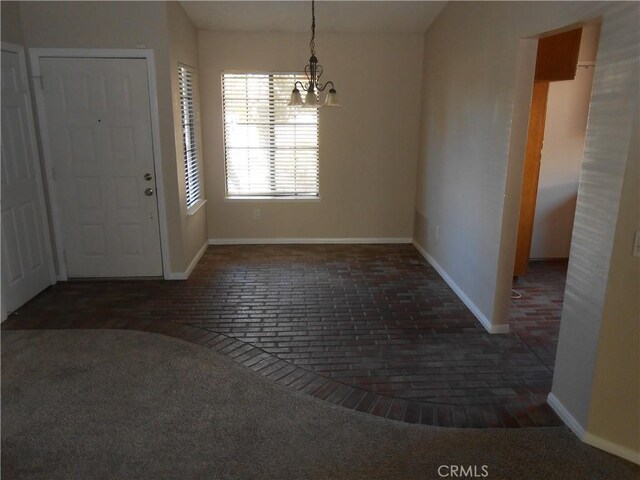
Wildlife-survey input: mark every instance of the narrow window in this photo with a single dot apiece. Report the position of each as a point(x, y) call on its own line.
point(189, 140)
point(271, 150)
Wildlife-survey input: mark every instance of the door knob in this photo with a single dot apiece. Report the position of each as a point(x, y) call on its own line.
point(148, 192)
point(147, 176)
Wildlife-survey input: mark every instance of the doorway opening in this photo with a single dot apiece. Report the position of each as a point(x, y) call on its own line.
point(561, 95)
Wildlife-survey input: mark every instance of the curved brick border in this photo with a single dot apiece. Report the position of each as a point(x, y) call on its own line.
point(329, 390)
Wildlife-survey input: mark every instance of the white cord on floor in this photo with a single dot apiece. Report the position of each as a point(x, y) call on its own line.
point(515, 294)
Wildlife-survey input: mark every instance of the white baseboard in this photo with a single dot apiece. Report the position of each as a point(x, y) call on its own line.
point(184, 275)
point(566, 416)
point(486, 323)
point(175, 276)
point(282, 241)
point(587, 437)
point(197, 258)
point(277, 241)
point(613, 448)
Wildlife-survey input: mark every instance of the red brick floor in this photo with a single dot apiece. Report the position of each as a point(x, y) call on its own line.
point(370, 327)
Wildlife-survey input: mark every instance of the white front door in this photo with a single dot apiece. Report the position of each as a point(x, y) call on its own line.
point(27, 267)
point(98, 121)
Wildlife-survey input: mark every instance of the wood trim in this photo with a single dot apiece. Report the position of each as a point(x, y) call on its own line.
point(557, 57)
point(535, 139)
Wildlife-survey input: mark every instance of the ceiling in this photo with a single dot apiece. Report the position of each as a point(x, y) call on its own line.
point(295, 16)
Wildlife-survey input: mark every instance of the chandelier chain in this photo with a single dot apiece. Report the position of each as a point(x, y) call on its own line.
point(312, 43)
point(313, 72)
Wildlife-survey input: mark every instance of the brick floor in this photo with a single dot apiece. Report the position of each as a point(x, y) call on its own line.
point(370, 327)
point(535, 317)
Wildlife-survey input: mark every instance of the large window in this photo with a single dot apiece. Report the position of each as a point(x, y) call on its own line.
point(189, 138)
point(271, 150)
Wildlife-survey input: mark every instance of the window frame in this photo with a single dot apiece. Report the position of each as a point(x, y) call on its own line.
point(200, 200)
point(266, 198)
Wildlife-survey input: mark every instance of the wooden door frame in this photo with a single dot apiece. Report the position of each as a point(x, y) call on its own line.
point(19, 50)
point(531, 176)
point(35, 55)
point(556, 60)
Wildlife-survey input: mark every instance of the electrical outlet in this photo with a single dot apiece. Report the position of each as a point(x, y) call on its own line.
point(636, 245)
point(257, 214)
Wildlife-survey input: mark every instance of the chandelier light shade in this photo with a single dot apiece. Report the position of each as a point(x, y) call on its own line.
point(332, 99)
point(311, 100)
point(313, 71)
point(296, 98)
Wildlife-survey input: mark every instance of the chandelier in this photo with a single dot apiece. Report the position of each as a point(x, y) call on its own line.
point(313, 71)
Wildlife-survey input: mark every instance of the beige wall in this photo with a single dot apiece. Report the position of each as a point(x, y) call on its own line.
point(11, 25)
point(464, 192)
point(614, 415)
point(564, 136)
point(183, 48)
point(368, 146)
point(123, 25)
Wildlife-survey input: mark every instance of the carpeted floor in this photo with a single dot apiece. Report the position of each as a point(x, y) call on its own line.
point(122, 405)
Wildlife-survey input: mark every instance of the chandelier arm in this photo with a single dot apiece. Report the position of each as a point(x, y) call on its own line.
point(333, 87)
point(302, 85)
point(323, 86)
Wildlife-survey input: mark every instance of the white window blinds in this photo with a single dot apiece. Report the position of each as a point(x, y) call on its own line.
point(271, 150)
point(188, 115)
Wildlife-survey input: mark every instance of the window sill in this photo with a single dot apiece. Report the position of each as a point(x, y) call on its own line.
point(194, 208)
point(297, 199)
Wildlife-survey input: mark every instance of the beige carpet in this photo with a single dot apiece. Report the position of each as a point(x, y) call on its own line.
point(127, 405)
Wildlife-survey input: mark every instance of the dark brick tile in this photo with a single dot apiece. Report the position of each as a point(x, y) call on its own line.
point(460, 419)
point(412, 413)
point(367, 402)
point(282, 372)
point(326, 390)
point(315, 385)
point(340, 394)
point(444, 416)
point(262, 364)
point(291, 377)
point(376, 318)
point(303, 381)
point(274, 367)
point(397, 409)
point(381, 406)
point(260, 356)
point(353, 399)
point(427, 414)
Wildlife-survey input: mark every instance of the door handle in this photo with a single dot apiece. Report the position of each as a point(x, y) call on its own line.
point(148, 192)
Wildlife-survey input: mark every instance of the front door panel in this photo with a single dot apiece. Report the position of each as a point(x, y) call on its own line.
point(99, 125)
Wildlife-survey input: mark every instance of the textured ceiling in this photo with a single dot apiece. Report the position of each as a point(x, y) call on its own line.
point(295, 16)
